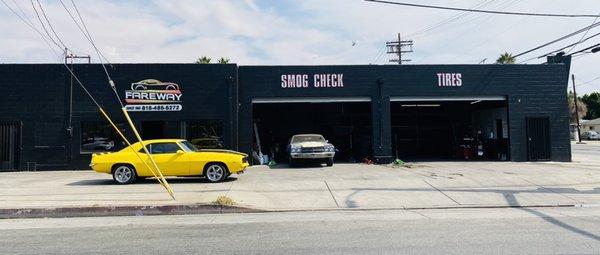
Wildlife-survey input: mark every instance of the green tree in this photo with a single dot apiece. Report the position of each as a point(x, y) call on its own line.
point(223, 60)
point(203, 60)
point(506, 58)
point(582, 108)
point(593, 105)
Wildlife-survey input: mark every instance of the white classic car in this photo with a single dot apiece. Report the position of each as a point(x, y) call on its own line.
point(311, 147)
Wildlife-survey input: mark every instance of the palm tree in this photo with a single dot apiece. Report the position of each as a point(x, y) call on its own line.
point(223, 60)
point(203, 60)
point(506, 58)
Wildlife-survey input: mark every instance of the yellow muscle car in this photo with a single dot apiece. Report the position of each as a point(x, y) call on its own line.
point(174, 157)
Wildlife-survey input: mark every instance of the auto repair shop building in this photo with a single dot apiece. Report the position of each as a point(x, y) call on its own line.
point(378, 112)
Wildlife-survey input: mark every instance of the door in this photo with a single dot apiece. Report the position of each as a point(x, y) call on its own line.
point(9, 146)
point(169, 160)
point(538, 139)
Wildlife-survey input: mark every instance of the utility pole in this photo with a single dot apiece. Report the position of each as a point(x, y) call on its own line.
point(69, 57)
point(576, 109)
point(398, 48)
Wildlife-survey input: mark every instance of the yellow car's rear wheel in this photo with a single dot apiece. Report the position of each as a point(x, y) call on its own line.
point(215, 172)
point(124, 174)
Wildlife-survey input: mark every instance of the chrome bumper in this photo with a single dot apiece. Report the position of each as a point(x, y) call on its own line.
point(313, 155)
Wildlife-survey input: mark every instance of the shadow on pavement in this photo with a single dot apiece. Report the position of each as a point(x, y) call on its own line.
point(509, 196)
point(302, 165)
point(146, 181)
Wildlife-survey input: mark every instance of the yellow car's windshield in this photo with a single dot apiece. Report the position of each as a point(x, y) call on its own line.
point(187, 146)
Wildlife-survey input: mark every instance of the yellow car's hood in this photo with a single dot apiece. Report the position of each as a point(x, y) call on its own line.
point(224, 151)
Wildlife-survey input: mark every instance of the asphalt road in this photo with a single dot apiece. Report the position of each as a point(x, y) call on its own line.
point(453, 231)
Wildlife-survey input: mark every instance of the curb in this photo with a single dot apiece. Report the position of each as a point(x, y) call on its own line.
point(99, 211)
point(105, 211)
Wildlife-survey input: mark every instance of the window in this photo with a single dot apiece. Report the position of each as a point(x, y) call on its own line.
point(204, 134)
point(187, 146)
point(99, 136)
point(163, 148)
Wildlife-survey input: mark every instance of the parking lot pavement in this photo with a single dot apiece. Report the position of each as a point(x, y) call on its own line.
point(423, 185)
point(586, 152)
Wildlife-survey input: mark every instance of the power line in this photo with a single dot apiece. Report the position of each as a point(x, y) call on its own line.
point(160, 177)
point(88, 32)
point(449, 20)
point(50, 24)
point(488, 11)
point(570, 45)
point(590, 81)
point(32, 26)
point(559, 39)
point(588, 48)
point(22, 12)
point(583, 36)
point(37, 14)
point(88, 35)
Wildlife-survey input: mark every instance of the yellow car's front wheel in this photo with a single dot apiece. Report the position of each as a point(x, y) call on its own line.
point(215, 172)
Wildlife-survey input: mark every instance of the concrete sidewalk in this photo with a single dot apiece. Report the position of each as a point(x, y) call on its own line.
point(359, 186)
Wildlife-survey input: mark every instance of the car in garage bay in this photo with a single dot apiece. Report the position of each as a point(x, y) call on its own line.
point(310, 147)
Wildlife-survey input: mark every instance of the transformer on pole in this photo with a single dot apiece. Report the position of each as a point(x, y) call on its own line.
point(398, 48)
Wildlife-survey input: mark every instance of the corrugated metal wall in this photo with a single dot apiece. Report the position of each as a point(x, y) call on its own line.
point(9, 147)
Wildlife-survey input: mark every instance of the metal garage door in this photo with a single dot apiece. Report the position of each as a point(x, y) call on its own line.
point(9, 146)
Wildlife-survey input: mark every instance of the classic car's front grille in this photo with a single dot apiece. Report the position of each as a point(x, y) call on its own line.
point(312, 149)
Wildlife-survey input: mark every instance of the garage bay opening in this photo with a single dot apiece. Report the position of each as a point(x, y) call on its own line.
point(346, 125)
point(450, 128)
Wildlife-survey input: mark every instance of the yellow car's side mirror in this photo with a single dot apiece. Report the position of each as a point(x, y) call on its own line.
point(180, 152)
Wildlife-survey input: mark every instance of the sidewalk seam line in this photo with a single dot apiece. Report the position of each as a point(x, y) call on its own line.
point(331, 193)
point(442, 192)
point(547, 189)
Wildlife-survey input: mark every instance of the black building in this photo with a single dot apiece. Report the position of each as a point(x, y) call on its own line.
point(424, 112)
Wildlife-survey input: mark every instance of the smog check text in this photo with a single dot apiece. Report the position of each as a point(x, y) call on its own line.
point(318, 81)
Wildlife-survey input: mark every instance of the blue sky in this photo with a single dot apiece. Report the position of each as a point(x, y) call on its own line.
point(307, 32)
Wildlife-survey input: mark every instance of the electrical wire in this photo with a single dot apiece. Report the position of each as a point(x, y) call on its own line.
point(32, 26)
point(570, 45)
point(583, 36)
point(88, 32)
point(559, 39)
point(160, 178)
point(449, 20)
point(381, 52)
point(37, 14)
point(474, 23)
point(588, 82)
point(487, 11)
point(79, 27)
point(582, 50)
point(50, 24)
point(88, 35)
point(22, 12)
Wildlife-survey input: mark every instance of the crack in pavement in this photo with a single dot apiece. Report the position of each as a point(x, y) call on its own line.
point(332, 196)
point(442, 192)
